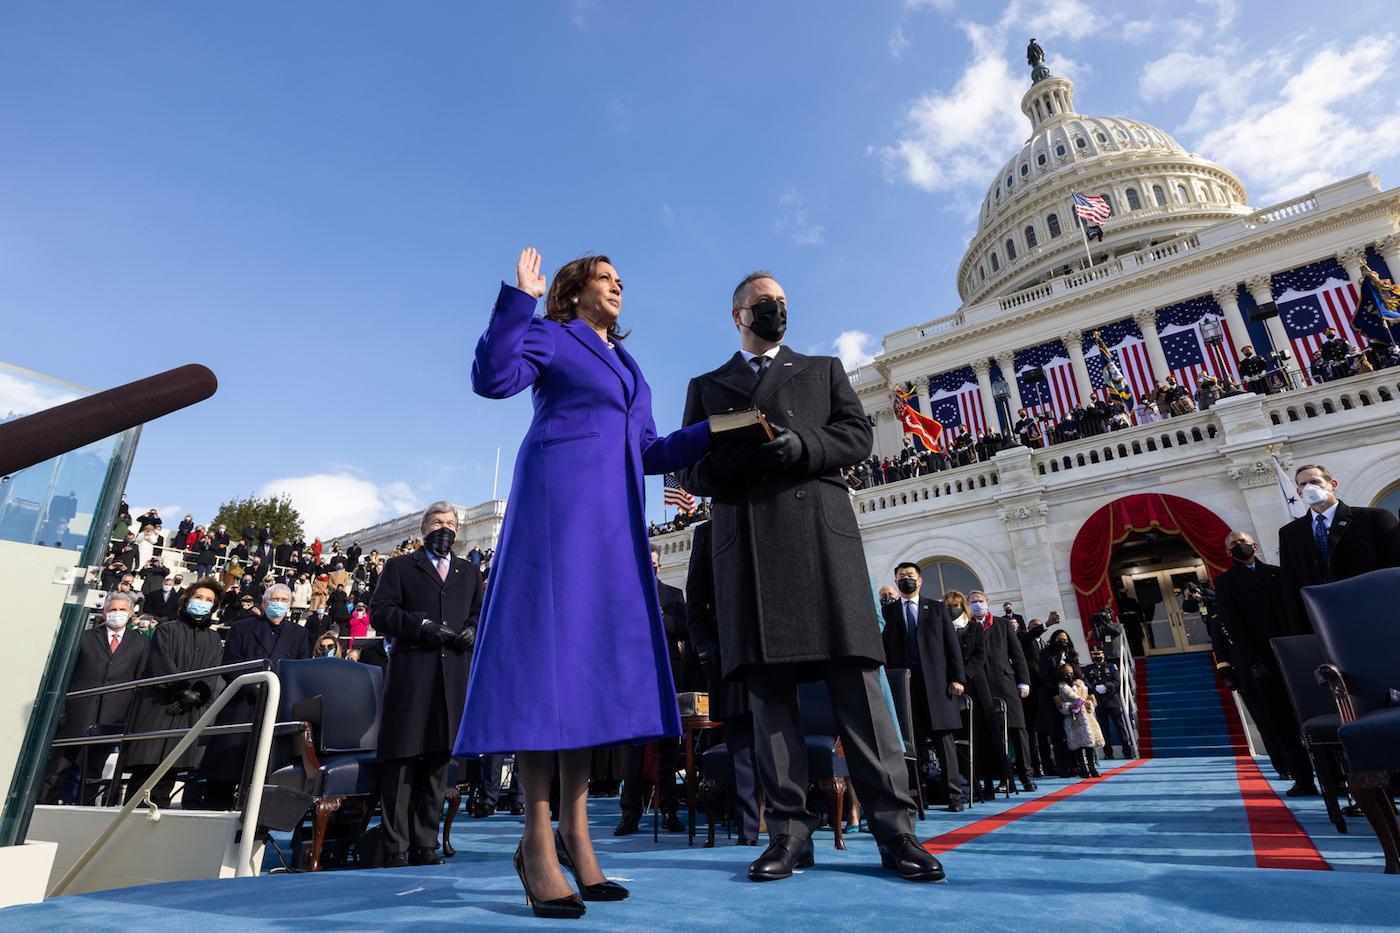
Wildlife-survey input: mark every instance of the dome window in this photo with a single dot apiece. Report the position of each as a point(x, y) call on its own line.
point(1040, 159)
point(1101, 137)
point(1053, 222)
point(996, 266)
point(1030, 237)
point(1081, 142)
point(1060, 149)
point(1134, 203)
point(1009, 182)
point(1025, 170)
point(1122, 136)
point(1181, 194)
point(997, 194)
point(1010, 250)
point(981, 272)
point(1159, 196)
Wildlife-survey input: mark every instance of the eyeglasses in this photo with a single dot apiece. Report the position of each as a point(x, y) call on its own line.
point(765, 303)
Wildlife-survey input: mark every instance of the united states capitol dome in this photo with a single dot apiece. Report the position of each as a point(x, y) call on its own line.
point(1027, 232)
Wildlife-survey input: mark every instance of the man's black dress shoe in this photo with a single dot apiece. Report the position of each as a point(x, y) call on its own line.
point(1301, 790)
point(424, 856)
point(396, 860)
point(746, 842)
point(913, 862)
point(627, 826)
point(517, 809)
point(672, 823)
point(956, 806)
point(783, 854)
point(481, 811)
point(1027, 784)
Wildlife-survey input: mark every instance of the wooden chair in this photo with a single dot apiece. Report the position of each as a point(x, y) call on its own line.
point(1299, 657)
point(826, 759)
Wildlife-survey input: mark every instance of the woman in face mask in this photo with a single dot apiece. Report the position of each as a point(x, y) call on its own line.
point(184, 644)
point(1083, 736)
point(328, 647)
point(573, 603)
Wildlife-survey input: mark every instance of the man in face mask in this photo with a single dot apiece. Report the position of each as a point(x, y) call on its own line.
point(789, 549)
point(1009, 679)
point(1333, 541)
point(1249, 612)
point(427, 605)
point(269, 636)
point(110, 653)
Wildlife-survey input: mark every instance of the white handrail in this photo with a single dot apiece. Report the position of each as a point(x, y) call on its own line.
point(255, 788)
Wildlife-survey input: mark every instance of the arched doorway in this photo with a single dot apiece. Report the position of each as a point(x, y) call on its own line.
point(1150, 543)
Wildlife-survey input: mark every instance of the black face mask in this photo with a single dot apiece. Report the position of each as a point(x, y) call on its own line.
point(1241, 552)
point(887, 599)
point(769, 319)
point(907, 585)
point(439, 542)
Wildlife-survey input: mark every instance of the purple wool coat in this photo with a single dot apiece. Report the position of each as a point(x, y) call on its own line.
point(571, 651)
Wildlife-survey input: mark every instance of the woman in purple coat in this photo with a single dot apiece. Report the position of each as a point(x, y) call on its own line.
point(571, 652)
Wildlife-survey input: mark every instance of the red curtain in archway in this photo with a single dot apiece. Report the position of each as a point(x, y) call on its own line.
point(1107, 528)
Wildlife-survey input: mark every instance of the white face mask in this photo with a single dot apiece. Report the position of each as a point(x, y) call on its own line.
point(1314, 494)
point(116, 619)
point(978, 607)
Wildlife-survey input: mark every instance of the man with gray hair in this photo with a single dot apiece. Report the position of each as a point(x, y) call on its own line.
point(110, 653)
point(270, 637)
point(426, 604)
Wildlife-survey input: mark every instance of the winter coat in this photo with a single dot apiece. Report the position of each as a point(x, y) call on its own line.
point(1081, 726)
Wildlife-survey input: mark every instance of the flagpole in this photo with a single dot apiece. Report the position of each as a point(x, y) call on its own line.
point(1085, 235)
point(495, 479)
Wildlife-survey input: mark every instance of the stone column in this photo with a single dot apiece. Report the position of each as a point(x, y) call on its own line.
point(1073, 343)
point(983, 370)
point(1351, 259)
point(1007, 362)
point(1389, 248)
point(889, 434)
point(921, 390)
point(1147, 323)
point(1228, 298)
point(1262, 288)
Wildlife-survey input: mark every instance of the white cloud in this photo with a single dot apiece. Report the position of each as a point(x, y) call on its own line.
point(1051, 19)
point(898, 43)
point(855, 348)
point(928, 4)
point(668, 215)
point(1297, 118)
point(21, 396)
point(621, 115)
point(794, 220)
point(334, 503)
point(581, 10)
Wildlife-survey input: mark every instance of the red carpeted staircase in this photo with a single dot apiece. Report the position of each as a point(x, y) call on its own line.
point(1180, 709)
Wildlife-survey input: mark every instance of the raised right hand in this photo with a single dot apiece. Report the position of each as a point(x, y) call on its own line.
point(527, 272)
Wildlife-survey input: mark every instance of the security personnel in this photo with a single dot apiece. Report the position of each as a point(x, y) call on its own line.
point(427, 604)
point(1252, 372)
point(1333, 352)
point(1105, 679)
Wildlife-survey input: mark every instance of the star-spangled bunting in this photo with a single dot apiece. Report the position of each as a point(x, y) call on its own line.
point(1058, 393)
point(1185, 348)
point(1311, 299)
point(955, 399)
point(1125, 342)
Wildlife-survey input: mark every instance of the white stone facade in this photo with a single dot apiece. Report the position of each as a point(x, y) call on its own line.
point(477, 526)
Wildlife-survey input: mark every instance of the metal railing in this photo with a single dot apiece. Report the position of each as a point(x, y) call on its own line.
point(255, 672)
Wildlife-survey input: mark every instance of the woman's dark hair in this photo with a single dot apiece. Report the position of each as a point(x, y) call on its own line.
point(561, 302)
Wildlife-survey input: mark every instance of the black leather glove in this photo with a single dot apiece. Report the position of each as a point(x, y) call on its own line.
point(1228, 675)
point(435, 634)
point(707, 653)
point(784, 450)
point(463, 641)
point(185, 700)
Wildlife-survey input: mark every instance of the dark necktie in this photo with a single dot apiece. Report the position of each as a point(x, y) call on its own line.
point(760, 363)
point(911, 625)
point(1320, 536)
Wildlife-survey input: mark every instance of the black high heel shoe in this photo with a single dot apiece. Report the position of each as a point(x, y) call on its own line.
point(563, 908)
point(602, 891)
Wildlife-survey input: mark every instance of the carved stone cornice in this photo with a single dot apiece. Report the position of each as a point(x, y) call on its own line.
point(1025, 516)
point(1351, 257)
point(1071, 337)
point(1258, 472)
point(1389, 244)
point(1145, 318)
point(1261, 283)
point(981, 367)
point(1226, 294)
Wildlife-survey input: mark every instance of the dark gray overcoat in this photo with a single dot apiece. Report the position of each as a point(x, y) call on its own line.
point(176, 646)
point(1006, 667)
point(790, 571)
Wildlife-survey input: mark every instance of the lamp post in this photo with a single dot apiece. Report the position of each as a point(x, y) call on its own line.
point(1214, 336)
point(1002, 394)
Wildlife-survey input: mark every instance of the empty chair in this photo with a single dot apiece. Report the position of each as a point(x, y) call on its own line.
point(1299, 657)
point(826, 761)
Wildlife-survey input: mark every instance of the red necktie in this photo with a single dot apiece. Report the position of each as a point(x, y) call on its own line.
point(987, 622)
point(116, 640)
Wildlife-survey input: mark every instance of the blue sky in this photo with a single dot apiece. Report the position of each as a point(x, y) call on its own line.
point(317, 200)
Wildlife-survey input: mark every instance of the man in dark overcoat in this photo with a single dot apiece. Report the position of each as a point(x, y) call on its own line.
point(271, 636)
point(1333, 541)
point(729, 699)
point(919, 636)
point(111, 653)
point(791, 596)
point(427, 605)
point(1009, 680)
point(1249, 604)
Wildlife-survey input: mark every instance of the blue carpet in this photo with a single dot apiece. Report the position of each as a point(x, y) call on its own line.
point(1164, 846)
point(1185, 715)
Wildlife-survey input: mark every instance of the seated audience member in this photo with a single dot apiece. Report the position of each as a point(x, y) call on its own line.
point(327, 646)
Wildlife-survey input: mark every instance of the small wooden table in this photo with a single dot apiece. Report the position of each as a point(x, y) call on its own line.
point(689, 726)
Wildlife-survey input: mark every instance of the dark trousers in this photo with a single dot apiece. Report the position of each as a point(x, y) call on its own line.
point(941, 742)
point(1117, 718)
point(490, 793)
point(413, 790)
point(1268, 703)
point(738, 736)
point(874, 754)
point(60, 769)
point(160, 792)
point(1021, 742)
point(634, 780)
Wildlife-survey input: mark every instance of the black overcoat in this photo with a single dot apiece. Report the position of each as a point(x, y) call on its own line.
point(1249, 604)
point(790, 571)
point(1006, 668)
point(176, 646)
point(685, 670)
point(728, 698)
point(1359, 540)
point(425, 688)
point(940, 656)
point(97, 667)
point(251, 639)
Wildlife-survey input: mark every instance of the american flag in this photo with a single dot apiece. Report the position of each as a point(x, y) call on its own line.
point(1091, 207)
point(1185, 348)
point(956, 399)
point(676, 495)
point(1311, 299)
point(1058, 393)
point(1125, 342)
